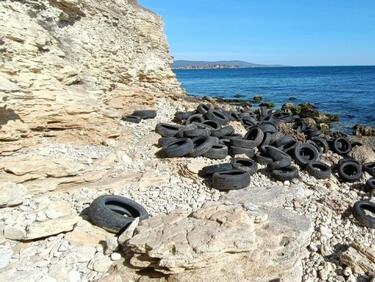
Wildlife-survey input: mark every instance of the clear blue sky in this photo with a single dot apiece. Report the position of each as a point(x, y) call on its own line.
point(289, 32)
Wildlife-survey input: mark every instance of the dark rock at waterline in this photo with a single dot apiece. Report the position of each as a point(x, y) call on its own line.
point(362, 130)
point(257, 99)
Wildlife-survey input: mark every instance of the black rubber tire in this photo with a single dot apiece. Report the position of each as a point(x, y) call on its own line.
point(197, 118)
point(230, 180)
point(202, 145)
point(235, 116)
point(210, 170)
point(204, 108)
point(268, 127)
point(264, 160)
point(233, 150)
point(359, 213)
point(103, 212)
point(319, 170)
point(341, 145)
point(370, 185)
point(290, 147)
point(254, 137)
point(285, 140)
point(217, 152)
point(198, 132)
point(248, 121)
point(212, 124)
point(275, 153)
point(178, 148)
point(279, 164)
point(321, 142)
point(369, 168)
point(305, 153)
point(286, 173)
point(132, 119)
point(320, 150)
point(217, 116)
point(167, 130)
point(266, 139)
point(245, 164)
point(350, 171)
point(182, 116)
point(225, 131)
point(164, 141)
point(145, 114)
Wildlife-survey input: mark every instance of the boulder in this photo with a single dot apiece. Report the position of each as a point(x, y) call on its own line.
point(363, 130)
point(363, 154)
point(11, 194)
point(183, 241)
point(221, 242)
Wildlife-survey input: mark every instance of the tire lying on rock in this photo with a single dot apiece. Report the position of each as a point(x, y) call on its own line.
point(285, 173)
point(369, 168)
point(178, 148)
point(210, 170)
point(319, 170)
point(167, 130)
point(305, 153)
point(202, 145)
point(350, 170)
point(247, 165)
point(217, 152)
point(132, 119)
point(370, 185)
point(341, 145)
point(114, 213)
point(145, 114)
point(230, 180)
point(359, 212)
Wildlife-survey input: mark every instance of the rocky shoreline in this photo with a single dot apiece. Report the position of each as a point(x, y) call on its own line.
point(44, 237)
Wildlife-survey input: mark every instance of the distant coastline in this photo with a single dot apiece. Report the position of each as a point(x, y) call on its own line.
point(199, 65)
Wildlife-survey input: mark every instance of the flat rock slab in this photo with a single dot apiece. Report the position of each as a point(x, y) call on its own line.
point(181, 240)
point(11, 194)
point(33, 166)
point(38, 230)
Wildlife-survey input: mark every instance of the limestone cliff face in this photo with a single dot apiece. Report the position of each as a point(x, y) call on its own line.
point(104, 44)
point(66, 63)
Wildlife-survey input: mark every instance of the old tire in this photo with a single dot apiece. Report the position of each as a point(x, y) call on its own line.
point(230, 180)
point(350, 171)
point(305, 153)
point(370, 185)
point(363, 218)
point(217, 152)
point(167, 130)
point(145, 114)
point(132, 119)
point(179, 148)
point(209, 170)
point(319, 170)
point(341, 145)
point(202, 145)
point(217, 116)
point(233, 151)
point(286, 173)
point(108, 212)
point(245, 164)
point(369, 168)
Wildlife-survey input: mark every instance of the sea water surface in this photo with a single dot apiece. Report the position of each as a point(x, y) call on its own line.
point(347, 91)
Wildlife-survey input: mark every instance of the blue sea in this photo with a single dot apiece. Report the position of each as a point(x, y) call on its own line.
point(347, 91)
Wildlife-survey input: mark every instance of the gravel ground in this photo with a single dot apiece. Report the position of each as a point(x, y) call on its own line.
point(325, 202)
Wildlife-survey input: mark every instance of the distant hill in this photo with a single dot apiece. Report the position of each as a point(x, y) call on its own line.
point(184, 64)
